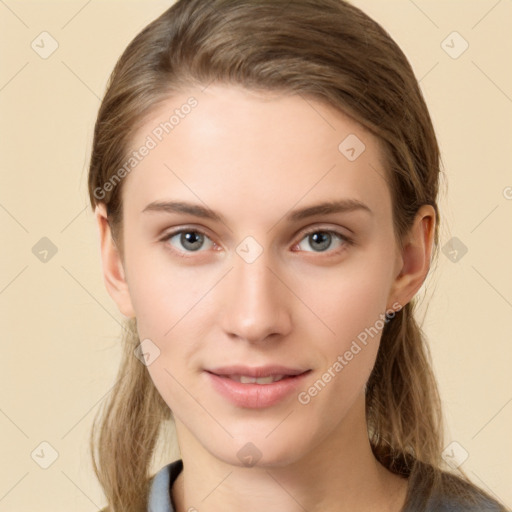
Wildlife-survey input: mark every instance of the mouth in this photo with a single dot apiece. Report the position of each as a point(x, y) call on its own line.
point(256, 387)
point(257, 374)
point(245, 379)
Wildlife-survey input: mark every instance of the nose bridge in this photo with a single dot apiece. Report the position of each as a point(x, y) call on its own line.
point(255, 306)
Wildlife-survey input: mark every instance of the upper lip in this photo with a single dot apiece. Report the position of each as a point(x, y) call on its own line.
point(256, 371)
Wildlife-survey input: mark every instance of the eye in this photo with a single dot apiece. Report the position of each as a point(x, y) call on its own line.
point(188, 240)
point(321, 240)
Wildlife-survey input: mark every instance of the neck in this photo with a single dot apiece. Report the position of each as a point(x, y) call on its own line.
point(340, 474)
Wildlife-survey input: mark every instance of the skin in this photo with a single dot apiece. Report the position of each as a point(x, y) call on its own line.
point(254, 158)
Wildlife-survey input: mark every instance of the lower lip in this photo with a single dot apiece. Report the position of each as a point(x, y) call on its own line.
point(255, 396)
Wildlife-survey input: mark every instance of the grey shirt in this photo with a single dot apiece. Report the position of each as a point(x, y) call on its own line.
point(160, 496)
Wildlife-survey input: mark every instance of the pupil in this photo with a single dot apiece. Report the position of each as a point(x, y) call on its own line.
point(190, 238)
point(323, 238)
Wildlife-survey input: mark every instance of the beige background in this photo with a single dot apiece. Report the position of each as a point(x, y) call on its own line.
point(60, 328)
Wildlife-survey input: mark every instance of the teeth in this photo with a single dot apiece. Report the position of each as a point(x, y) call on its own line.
point(256, 380)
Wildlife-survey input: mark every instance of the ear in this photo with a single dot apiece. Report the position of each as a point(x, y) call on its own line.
point(112, 265)
point(414, 258)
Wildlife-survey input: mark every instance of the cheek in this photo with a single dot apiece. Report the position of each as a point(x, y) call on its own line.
point(172, 315)
point(346, 301)
point(163, 292)
point(351, 306)
point(171, 319)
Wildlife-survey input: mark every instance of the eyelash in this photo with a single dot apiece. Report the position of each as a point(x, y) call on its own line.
point(187, 254)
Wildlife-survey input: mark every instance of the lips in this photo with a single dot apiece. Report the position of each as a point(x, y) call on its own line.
point(255, 387)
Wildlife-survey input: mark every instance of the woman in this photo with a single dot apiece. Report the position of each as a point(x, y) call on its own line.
point(264, 177)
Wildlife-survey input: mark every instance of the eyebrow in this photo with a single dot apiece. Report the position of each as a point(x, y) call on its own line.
point(339, 206)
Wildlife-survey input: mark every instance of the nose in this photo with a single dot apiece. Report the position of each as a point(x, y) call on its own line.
point(257, 303)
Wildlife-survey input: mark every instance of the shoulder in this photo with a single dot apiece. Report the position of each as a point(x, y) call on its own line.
point(436, 490)
point(456, 494)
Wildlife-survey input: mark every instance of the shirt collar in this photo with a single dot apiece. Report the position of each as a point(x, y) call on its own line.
point(160, 488)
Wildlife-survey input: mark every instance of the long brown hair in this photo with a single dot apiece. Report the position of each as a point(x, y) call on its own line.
point(330, 51)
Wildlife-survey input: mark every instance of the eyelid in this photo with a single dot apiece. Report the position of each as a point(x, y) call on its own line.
point(345, 239)
point(184, 229)
point(323, 229)
point(304, 232)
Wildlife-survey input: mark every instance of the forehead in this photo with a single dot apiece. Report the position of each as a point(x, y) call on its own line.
point(230, 147)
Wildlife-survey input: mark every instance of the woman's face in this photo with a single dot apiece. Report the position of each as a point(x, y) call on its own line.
point(261, 275)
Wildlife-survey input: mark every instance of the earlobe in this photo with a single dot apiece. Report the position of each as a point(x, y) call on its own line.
point(112, 266)
point(415, 256)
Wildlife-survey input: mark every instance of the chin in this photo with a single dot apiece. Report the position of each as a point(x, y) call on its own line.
point(256, 451)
